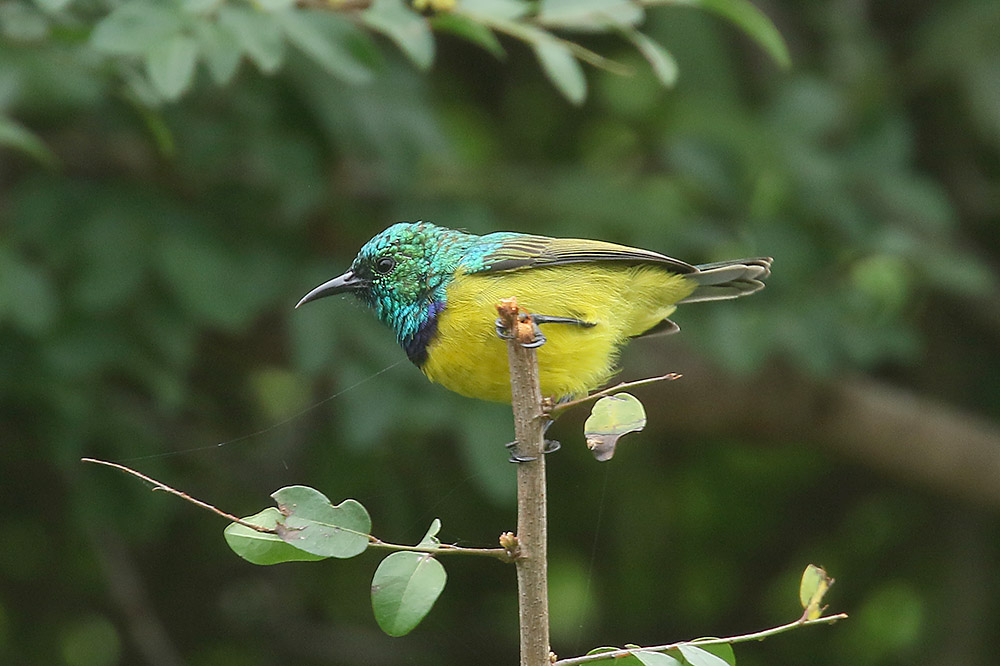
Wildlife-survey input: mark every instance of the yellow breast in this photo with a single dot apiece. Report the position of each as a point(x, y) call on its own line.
point(467, 357)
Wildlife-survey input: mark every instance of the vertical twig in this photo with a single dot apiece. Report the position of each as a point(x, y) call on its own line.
point(529, 431)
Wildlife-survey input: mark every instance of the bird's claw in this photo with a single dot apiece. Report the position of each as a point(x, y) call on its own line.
point(548, 446)
point(501, 330)
point(538, 338)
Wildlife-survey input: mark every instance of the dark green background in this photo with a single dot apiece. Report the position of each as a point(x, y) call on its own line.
point(846, 416)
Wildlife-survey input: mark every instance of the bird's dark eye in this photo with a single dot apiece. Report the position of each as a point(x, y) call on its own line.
point(384, 265)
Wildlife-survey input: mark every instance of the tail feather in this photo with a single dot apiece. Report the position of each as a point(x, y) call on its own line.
point(728, 279)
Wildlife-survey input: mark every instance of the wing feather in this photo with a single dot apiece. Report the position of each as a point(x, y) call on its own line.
point(518, 251)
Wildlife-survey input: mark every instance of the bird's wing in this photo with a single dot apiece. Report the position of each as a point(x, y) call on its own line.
point(516, 251)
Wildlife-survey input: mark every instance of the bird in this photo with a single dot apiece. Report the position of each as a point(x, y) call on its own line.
point(437, 288)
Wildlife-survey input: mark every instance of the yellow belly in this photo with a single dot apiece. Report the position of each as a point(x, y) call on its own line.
point(467, 357)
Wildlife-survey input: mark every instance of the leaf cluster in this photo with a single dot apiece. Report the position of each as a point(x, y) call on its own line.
point(156, 47)
point(306, 526)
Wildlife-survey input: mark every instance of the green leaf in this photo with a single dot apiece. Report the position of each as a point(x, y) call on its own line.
point(410, 31)
point(562, 68)
point(323, 36)
point(752, 21)
point(313, 524)
point(590, 15)
point(220, 50)
point(468, 29)
point(261, 547)
point(655, 658)
point(814, 585)
point(697, 656)
point(135, 27)
point(430, 539)
point(170, 65)
point(663, 64)
point(404, 589)
point(612, 417)
point(14, 135)
point(258, 35)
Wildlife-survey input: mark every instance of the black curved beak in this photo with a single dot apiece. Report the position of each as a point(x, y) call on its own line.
point(338, 285)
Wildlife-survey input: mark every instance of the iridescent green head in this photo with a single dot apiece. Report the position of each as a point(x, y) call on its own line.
point(402, 273)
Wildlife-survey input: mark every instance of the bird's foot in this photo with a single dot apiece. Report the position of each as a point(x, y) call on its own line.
point(538, 338)
point(549, 446)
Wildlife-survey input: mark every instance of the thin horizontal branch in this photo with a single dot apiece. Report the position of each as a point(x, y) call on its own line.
point(742, 638)
point(562, 406)
point(374, 542)
point(157, 485)
point(444, 549)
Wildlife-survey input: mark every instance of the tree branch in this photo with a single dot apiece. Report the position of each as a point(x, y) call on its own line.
point(743, 638)
point(501, 554)
point(179, 493)
point(529, 431)
point(555, 410)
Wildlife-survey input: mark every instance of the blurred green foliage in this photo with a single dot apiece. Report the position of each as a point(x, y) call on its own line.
point(150, 253)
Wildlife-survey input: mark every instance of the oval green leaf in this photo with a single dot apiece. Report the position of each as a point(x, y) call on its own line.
point(404, 589)
point(220, 50)
point(814, 585)
point(311, 523)
point(170, 65)
point(612, 417)
point(257, 34)
point(662, 63)
point(562, 68)
point(430, 539)
point(261, 547)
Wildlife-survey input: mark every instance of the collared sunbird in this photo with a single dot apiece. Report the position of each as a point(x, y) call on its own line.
point(438, 288)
